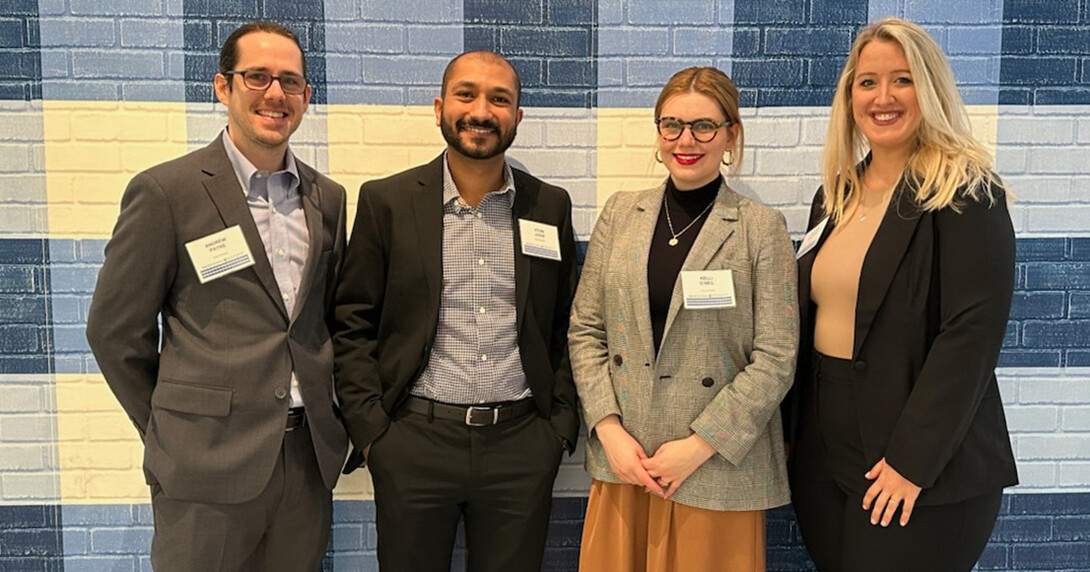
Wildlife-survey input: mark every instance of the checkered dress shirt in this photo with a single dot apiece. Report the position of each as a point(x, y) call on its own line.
point(475, 357)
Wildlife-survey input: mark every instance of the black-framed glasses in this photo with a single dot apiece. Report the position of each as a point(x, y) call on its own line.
point(703, 129)
point(290, 83)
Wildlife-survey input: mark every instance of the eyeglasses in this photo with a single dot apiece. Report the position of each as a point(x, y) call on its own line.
point(291, 84)
point(703, 130)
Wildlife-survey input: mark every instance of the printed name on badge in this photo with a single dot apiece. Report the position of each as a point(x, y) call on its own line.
point(539, 239)
point(219, 254)
point(811, 238)
point(707, 289)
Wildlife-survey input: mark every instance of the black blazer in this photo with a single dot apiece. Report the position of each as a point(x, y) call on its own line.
point(388, 300)
point(934, 296)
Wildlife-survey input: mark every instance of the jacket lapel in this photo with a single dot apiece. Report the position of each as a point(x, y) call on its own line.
point(883, 259)
point(806, 266)
point(312, 209)
point(223, 188)
point(719, 226)
point(428, 211)
point(525, 198)
point(643, 226)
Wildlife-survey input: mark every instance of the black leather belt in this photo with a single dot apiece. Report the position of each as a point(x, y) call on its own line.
point(472, 415)
point(297, 418)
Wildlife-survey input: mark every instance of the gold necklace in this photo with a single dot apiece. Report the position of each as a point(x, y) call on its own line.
point(862, 216)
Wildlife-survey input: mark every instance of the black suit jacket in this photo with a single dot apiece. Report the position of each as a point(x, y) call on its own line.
point(388, 300)
point(934, 296)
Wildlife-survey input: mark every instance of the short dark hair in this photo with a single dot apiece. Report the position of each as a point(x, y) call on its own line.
point(488, 56)
point(229, 51)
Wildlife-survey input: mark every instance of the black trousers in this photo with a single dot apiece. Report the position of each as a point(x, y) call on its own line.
point(827, 486)
point(430, 473)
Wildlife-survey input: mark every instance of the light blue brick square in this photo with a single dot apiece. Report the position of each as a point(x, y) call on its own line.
point(100, 564)
point(627, 96)
point(54, 64)
point(630, 41)
point(80, 90)
point(416, 11)
point(403, 70)
point(703, 41)
point(353, 38)
point(117, 7)
point(121, 65)
point(610, 12)
point(92, 250)
point(62, 250)
point(68, 339)
point(984, 40)
point(342, 68)
point(610, 73)
point(152, 34)
point(421, 95)
point(356, 94)
point(76, 541)
point(945, 11)
point(66, 310)
point(75, 279)
point(975, 70)
point(646, 72)
point(72, 363)
point(131, 540)
point(77, 32)
point(447, 40)
point(173, 91)
point(656, 12)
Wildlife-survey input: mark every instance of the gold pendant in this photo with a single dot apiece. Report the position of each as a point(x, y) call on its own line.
point(673, 242)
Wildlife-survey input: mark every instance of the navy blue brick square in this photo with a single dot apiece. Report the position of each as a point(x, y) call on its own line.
point(1080, 248)
point(1023, 529)
point(23, 251)
point(768, 72)
point(244, 9)
point(1063, 40)
point(531, 72)
point(1010, 335)
point(1062, 96)
point(995, 557)
point(1037, 305)
point(824, 72)
point(21, 7)
point(1038, 12)
point(1039, 249)
point(1028, 358)
point(770, 11)
point(1019, 40)
point(30, 533)
point(1015, 96)
point(571, 12)
point(1054, 504)
point(552, 97)
point(283, 10)
point(838, 11)
point(13, 34)
point(1077, 358)
point(1078, 305)
point(1050, 556)
point(1058, 276)
point(1056, 334)
point(812, 97)
point(524, 12)
point(808, 41)
point(519, 41)
point(569, 72)
point(1037, 70)
point(746, 42)
point(1072, 528)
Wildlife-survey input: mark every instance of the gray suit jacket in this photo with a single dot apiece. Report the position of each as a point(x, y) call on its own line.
point(209, 392)
point(720, 373)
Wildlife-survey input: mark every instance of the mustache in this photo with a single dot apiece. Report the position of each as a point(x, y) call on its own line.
point(463, 123)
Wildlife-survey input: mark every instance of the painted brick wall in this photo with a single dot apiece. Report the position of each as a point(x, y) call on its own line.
point(91, 92)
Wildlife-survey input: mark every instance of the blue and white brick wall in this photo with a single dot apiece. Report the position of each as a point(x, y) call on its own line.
point(70, 496)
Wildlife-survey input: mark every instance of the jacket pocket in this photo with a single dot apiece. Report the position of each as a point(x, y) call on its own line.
point(195, 399)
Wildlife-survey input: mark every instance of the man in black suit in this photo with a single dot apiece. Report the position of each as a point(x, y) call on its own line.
point(451, 354)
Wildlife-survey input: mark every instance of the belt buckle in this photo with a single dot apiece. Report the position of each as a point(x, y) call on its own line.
point(469, 415)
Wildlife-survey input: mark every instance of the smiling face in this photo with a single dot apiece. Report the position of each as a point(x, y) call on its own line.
point(884, 104)
point(693, 164)
point(478, 113)
point(260, 122)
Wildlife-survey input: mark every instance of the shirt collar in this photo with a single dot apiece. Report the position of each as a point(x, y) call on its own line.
point(245, 170)
point(450, 190)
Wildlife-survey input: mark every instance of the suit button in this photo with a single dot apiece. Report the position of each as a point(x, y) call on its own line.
point(859, 365)
point(707, 382)
point(280, 393)
point(618, 360)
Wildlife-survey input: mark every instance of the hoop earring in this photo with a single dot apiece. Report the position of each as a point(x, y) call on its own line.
point(728, 157)
point(657, 157)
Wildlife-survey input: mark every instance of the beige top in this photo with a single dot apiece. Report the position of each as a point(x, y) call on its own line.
point(834, 278)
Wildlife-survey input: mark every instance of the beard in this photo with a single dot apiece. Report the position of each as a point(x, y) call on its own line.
point(452, 133)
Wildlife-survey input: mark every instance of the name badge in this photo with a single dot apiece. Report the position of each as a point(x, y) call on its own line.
point(707, 289)
point(219, 254)
point(811, 239)
point(539, 239)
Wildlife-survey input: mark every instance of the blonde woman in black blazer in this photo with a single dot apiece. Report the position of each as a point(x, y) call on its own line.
point(899, 446)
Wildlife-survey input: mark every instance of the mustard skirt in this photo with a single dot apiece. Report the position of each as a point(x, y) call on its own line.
point(629, 530)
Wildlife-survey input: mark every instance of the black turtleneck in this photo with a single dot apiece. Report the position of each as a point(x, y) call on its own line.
point(664, 261)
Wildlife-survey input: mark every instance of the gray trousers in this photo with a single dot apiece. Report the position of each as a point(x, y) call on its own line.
point(286, 528)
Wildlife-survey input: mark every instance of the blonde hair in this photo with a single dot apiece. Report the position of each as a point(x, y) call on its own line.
point(715, 84)
point(946, 156)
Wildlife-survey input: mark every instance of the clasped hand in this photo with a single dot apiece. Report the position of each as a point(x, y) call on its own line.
point(660, 474)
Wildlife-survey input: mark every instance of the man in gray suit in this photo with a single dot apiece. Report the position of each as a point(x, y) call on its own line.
point(235, 248)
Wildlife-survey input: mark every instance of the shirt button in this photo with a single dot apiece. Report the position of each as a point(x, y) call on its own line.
point(707, 382)
point(280, 393)
point(477, 214)
point(484, 358)
point(480, 262)
point(280, 253)
point(481, 310)
point(285, 296)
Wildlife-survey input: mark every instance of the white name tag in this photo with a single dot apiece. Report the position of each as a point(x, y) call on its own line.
point(539, 239)
point(811, 239)
point(707, 289)
point(219, 254)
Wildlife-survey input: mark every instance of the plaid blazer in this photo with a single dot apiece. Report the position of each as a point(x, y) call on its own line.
point(720, 373)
